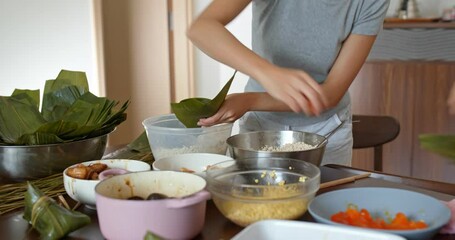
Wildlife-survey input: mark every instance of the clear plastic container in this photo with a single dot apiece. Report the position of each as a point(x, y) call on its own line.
point(168, 136)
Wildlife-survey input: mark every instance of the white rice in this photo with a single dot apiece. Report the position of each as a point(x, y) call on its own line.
point(288, 147)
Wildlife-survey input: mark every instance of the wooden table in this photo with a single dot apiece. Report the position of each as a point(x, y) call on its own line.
point(12, 226)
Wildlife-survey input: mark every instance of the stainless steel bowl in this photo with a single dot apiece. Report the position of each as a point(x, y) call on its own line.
point(247, 145)
point(19, 163)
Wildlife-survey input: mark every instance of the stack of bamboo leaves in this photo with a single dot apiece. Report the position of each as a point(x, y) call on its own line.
point(69, 112)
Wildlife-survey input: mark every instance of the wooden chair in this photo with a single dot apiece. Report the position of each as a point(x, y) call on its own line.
point(374, 131)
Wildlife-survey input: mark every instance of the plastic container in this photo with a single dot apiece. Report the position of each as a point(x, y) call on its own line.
point(168, 136)
point(282, 229)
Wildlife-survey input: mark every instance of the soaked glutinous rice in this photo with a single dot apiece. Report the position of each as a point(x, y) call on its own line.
point(289, 147)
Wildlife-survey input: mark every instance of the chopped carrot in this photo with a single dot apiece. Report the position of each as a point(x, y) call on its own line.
point(363, 218)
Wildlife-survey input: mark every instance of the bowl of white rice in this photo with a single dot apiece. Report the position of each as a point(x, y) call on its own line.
point(304, 146)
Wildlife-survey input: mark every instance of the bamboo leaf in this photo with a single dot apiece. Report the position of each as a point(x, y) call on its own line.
point(443, 145)
point(91, 114)
point(61, 93)
point(38, 138)
point(56, 103)
point(141, 143)
point(190, 110)
point(69, 112)
point(59, 128)
point(33, 95)
point(51, 220)
point(151, 236)
point(75, 78)
point(18, 116)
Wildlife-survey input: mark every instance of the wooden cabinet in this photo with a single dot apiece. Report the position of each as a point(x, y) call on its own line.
point(415, 93)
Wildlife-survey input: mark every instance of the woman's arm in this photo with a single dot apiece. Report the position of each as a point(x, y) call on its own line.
point(352, 56)
point(293, 87)
point(350, 60)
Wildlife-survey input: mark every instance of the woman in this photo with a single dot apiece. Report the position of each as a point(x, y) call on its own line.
point(305, 54)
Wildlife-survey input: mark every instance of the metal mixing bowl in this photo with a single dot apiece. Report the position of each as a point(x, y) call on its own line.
point(19, 163)
point(246, 145)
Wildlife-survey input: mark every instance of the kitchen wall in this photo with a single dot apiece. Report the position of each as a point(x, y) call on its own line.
point(39, 38)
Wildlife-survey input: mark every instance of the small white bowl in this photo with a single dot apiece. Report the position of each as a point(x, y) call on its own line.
point(83, 190)
point(196, 162)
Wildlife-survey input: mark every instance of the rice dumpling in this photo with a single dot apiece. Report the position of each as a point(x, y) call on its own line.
point(51, 220)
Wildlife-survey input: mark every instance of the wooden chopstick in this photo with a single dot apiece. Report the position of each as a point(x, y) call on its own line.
point(343, 180)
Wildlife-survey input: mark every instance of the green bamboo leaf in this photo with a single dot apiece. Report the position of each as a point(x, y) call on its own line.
point(69, 112)
point(140, 144)
point(18, 116)
point(443, 145)
point(59, 128)
point(39, 138)
point(151, 236)
point(33, 95)
point(51, 220)
point(94, 115)
point(190, 110)
point(75, 78)
point(61, 93)
point(57, 102)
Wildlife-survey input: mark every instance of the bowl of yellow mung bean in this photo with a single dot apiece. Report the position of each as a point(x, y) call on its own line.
point(253, 189)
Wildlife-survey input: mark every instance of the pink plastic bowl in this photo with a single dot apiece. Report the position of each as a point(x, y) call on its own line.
point(180, 217)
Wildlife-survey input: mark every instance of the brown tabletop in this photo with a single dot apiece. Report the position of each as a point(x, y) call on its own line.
point(12, 226)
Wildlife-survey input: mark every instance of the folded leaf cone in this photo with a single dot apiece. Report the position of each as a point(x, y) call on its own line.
point(190, 110)
point(51, 220)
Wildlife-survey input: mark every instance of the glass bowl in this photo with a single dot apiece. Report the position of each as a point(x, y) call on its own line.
point(248, 190)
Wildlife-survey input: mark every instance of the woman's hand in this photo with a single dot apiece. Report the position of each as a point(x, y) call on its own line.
point(297, 89)
point(234, 106)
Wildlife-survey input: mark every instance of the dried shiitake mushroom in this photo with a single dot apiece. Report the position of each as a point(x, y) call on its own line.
point(89, 172)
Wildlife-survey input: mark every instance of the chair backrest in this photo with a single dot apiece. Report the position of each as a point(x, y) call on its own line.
point(374, 131)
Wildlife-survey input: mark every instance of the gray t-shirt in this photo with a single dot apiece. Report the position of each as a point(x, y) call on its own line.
point(308, 35)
